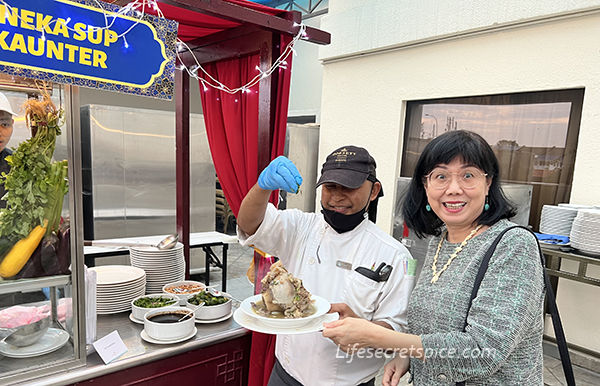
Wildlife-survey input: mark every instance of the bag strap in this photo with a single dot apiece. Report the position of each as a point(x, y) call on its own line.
point(558, 328)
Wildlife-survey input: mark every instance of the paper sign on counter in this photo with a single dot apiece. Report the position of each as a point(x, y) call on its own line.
point(110, 347)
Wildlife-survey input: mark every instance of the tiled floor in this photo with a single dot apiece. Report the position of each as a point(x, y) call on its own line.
point(239, 286)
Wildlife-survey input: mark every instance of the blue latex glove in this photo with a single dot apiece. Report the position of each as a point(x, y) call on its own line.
point(280, 174)
point(552, 239)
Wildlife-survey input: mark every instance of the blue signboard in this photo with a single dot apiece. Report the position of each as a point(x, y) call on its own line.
point(88, 43)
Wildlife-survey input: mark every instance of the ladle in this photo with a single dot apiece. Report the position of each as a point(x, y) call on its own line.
point(167, 243)
point(193, 310)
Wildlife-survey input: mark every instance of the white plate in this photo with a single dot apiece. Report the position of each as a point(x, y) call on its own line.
point(177, 247)
point(135, 320)
point(575, 206)
point(157, 254)
point(254, 324)
point(552, 246)
point(158, 274)
point(120, 287)
point(588, 253)
point(115, 274)
point(113, 291)
point(217, 320)
point(51, 341)
point(110, 312)
point(118, 301)
point(116, 296)
point(322, 305)
point(156, 258)
point(153, 275)
point(148, 260)
point(165, 279)
point(156, 279)
point(161, 266)
point(156, 341)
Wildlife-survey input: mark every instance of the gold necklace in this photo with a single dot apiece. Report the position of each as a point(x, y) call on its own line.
point(436, 274)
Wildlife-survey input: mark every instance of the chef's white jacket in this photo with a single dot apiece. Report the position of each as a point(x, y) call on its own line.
point(326, 261)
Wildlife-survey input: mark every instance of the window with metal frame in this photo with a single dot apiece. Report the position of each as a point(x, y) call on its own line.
point(533, 134)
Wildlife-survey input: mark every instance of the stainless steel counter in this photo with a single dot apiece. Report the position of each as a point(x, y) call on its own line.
point(139, 351)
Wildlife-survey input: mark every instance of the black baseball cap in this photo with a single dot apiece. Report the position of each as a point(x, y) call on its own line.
point(349, 166)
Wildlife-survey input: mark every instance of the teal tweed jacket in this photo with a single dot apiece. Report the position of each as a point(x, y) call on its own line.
point(502, 343)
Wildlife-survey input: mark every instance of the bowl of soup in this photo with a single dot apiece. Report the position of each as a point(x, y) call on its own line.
point(254, 307)
point(169, 323)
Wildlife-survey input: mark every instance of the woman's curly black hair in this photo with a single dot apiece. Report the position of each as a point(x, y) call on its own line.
point(473, 150)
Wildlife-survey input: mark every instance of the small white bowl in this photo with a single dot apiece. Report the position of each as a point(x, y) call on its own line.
point(321, 304)
point(183, 295)
point(169, 331)
point(139, 312)
point(207, 312)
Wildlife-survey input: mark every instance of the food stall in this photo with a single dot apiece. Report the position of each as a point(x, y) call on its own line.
point(49, 50)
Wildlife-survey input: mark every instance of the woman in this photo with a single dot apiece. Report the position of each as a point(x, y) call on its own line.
point(455, 195)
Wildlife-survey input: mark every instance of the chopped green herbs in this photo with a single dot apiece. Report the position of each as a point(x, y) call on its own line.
point(154, 302)
point(208, 299)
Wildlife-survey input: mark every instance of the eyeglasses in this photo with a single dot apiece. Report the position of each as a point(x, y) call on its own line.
point(468, 178)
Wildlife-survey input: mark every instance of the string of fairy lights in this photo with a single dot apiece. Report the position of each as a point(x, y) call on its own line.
point(138, 9)
point(280, 62)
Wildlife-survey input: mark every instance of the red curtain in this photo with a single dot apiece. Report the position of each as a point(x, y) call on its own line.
point(232, 127)
point(232, 130)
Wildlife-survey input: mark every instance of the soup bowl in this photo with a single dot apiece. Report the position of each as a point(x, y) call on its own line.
point(169, 323)
point(321, 305)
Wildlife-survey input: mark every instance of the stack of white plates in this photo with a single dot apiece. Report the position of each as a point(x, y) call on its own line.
point(161, 267)
point(585, 233)
point(557, 220)
point(117, 286)
point(577, 206)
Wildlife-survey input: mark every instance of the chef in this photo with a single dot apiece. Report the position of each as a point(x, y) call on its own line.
point(6, 129)
point(340, 255)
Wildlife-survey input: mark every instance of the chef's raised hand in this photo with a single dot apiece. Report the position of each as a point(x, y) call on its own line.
point(280, 174)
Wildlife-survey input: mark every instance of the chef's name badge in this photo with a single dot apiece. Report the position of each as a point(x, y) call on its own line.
point(343, 265)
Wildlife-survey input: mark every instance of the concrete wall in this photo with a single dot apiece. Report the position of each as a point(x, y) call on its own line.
point(387, 52)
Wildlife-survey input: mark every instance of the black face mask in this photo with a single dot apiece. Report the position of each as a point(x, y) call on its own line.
point(344, 222)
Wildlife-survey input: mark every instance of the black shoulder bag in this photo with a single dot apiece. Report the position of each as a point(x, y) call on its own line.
point(558, 329)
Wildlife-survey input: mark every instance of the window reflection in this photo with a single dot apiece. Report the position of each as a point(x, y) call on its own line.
point(534, 135)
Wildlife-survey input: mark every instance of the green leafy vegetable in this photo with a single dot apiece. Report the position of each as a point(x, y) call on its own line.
point(208, 299)
point(35, 185)
point(154, 302)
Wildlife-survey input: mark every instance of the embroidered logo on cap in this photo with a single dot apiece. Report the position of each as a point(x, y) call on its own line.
point(342, 155)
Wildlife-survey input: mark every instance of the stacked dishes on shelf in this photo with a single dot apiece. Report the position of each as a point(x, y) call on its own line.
point(557, 220)
point(117, 286)
point(161, 267)
point(585, 233)
point(577, 206)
